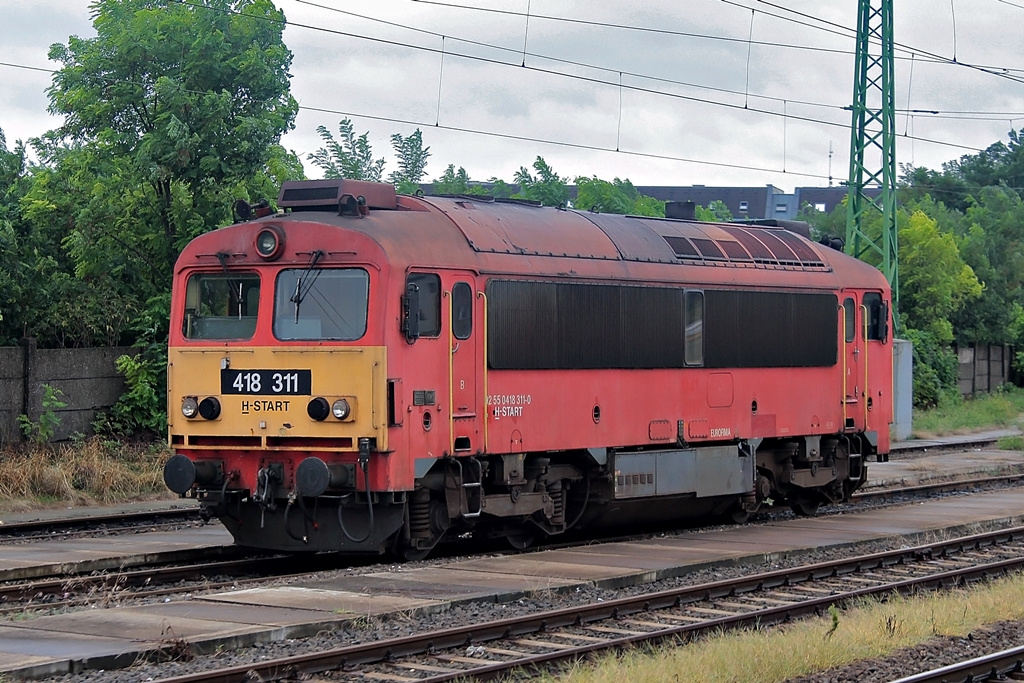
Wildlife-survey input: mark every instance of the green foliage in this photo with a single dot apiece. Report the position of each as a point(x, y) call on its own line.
point(451, 181)
point(716, 212)
point(992, 243)
point(16, 277)
point(833, 613)
point(350, 158)
point(824, 224)
point(954, 415)
point(454, 182)
point(1011, 443)
point(547, 187)
point(142, 408)
point(172, 111)
point(41, 431)
point(617, 196)
point(934, 280)
point(170, 102)
point(412, 160)
point(935, 370)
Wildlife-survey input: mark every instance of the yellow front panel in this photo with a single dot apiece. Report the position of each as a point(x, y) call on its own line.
point(265, 404)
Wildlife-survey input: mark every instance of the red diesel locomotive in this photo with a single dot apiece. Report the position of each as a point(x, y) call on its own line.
point(366, 372)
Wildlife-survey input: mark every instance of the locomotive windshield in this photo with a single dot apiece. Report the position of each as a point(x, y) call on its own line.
point(221, 305)
point(321, 303)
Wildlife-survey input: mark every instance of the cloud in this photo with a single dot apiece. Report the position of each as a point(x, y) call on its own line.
point(379, 77)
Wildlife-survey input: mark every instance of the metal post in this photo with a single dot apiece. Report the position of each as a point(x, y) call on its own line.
point(872, 135)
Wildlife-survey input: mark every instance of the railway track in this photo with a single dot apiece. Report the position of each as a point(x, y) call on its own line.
point(71, 527)
point(219, 567)
point(1007, 665)
point(158, 580)
point(525, 643)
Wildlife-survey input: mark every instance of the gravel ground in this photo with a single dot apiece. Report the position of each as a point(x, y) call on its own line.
point(933, 654)
point(364, 630)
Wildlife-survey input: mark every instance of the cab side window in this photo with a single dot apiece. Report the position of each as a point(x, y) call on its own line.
point(850, 318)
point(422, 303)
point(462, 310)
point(877, 316)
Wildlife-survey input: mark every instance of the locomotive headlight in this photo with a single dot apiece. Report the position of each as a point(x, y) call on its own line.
point(341, 409)
point(209, 408)
point(189, 407)
point(318, 409)
point(269, 243)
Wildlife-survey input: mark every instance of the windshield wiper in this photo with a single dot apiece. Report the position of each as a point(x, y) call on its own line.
point(300, 291)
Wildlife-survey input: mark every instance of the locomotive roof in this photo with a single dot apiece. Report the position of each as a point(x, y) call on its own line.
point(482, 234)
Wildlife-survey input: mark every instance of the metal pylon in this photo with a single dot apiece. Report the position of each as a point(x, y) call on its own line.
point(873, 142)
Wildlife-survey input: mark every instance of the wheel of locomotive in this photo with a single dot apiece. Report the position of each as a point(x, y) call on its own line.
point(805, 506)
point(739, 515)
point(410, 554)
point(522, 536)
point(429, 522)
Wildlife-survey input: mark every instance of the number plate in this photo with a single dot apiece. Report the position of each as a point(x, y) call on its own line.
point(267, 382)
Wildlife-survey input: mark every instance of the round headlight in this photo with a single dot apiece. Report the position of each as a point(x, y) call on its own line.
point(341, 409)
point(209, 408)
point(189, 407)
point(318, 409)
point(269, 243)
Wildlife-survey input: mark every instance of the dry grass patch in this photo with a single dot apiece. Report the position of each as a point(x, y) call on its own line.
point(89, 472)
point(869, 630)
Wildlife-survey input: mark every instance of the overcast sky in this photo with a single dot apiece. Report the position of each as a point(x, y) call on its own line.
point(721, 92)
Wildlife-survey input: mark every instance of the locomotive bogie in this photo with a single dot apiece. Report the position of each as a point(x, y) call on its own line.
point(371, 373)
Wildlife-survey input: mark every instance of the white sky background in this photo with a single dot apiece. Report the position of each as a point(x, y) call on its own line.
point(679, 123)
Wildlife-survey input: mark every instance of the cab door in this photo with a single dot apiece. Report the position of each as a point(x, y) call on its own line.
point(853, 349)
point(465, 333)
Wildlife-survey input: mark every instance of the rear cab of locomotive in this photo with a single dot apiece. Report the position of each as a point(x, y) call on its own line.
point(277, 373)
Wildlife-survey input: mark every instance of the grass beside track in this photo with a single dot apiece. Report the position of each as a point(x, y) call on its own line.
point(82, 472)
point(1003, 409)
point(868, 630)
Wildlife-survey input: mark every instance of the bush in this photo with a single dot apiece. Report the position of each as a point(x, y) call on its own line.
point(935, 370)
point(142, 409)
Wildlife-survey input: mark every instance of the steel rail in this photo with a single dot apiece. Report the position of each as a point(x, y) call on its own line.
point(998, 666)
point(940, 446)
point(577, 616)
point(79, 583)
point(938, 487)
point(76, 524)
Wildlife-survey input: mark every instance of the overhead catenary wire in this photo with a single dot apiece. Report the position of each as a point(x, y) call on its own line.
point(579, 77)
point(621, 86)
point(932, 113)
point(822, 25)
point(523, 138)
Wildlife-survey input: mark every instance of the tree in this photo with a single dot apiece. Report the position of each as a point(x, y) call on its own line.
point(617, 196)
point(547, 187)
point(412, 161)
point(15, 269)
point(935, 282)
point(717, 212)
point(181, 101)
point(350, 158)
point(451, 181)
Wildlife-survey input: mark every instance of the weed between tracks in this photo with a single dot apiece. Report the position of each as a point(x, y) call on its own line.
point(84, 472)
point(868, 630)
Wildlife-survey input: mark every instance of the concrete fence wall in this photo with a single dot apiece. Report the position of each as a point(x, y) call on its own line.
point(87, 377)
point(983, 368)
